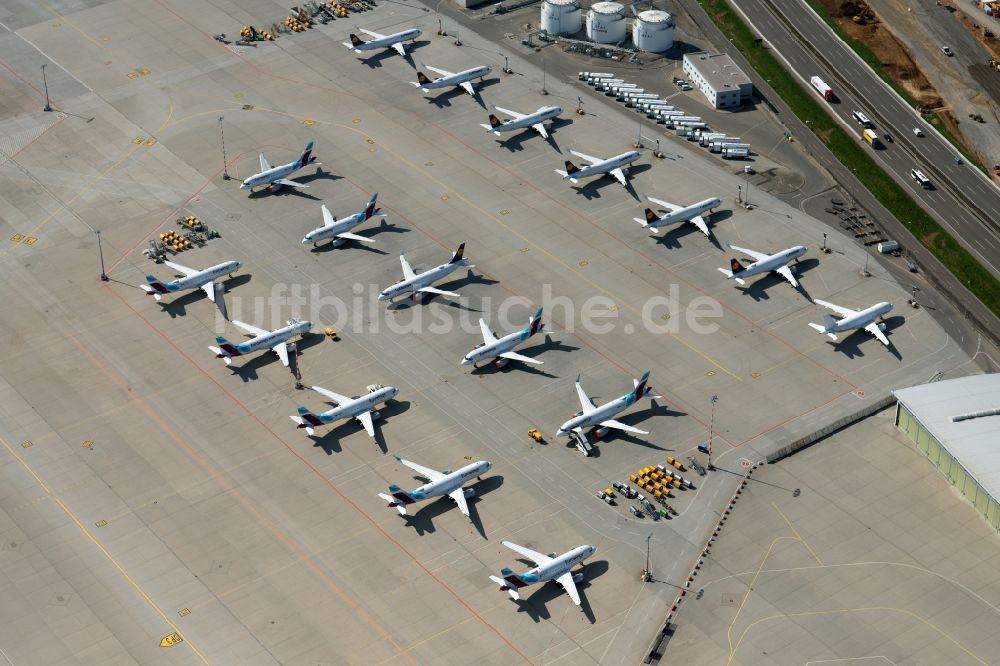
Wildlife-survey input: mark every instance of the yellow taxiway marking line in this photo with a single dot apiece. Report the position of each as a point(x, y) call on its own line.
point(797, 535)
point(90, 537)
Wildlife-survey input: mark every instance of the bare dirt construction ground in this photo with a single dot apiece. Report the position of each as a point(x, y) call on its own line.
point(896, 60)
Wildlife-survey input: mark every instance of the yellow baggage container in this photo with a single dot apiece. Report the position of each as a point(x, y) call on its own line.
point(657, 493)
point(633, 478)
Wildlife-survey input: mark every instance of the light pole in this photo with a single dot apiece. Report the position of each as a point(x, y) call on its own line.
point(544, 91)
point(711, 430)
point(45, 83)
point(225, 166)
point(100, 251)
point(647, 575)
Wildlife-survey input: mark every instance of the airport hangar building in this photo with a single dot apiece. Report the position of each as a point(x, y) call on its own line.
point(956, 424)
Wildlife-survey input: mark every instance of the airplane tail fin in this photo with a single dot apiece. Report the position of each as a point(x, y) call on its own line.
point(422, 79)
point(397, 498)
point(307, 420)
point(355, 40)
point(494, 121)
point(307, 157)
point(535, 323)
point(226, 351)
point(509, 583)
point(640, 386)
point(457, 257)
point(155, 288)
point(736, 266)
point(571, 168)
point(371, 209)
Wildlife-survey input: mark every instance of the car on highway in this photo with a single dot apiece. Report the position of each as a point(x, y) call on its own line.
point(917, 131)
point(947, 51)
point(888, 137)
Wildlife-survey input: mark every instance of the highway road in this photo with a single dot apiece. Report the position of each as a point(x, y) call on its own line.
point(963, 200)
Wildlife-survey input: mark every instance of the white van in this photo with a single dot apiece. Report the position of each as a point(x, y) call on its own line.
point(863, 120)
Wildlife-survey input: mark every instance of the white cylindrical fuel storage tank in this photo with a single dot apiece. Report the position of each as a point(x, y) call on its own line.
point(606, 22)
point(561, 17)
point(653, 31)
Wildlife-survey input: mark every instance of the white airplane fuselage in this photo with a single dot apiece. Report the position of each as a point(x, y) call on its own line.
point(494, 349)
point(594, 418)
point(365, 403)
point(541, 115)
point(861, 319)
point(275, 337)
point(451, 481)
point(425, 279)
point(607, 165)
point(457, 78)
point(773, 262)
point(387, 41)
point(269, 176)
point(558, 566)
point(686, 213)
point(203, 277)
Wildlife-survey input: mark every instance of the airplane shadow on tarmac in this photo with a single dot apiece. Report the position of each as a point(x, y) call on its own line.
point(536, 605)
point(670, 236)
point(443, 99)
point(178, 306)
point(757, 290)
point(330, 441)
point(374, 61)
point(515, 141)
point(850, 345)
point(422, 521)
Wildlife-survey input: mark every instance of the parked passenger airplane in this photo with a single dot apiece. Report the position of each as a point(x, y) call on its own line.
point(462, 79)
point(274, 177)
point(501, 350)
point(193, 279)
point(347, 408)
point(534, 120)
point(765, 263)
point(598, 166)
point(438, 485)
point(851, 319)
point(415, 284)
point(547, 567)
point(276, 340)
point(678, 214)
point(394, 41)
point(339, 231)
point(591, 415)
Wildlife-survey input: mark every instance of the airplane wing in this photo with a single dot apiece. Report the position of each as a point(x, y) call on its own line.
point(459, 496)
point(842, 311)
point(370, 33)
point(537, 558)
point(488, 336)
point(290, 183)
point(336, 397)
point(518, 357)
point(786, 273)
point(355, 237)
point(328, 217)
point(619, 176)
point(252, 330)
point(540, 128)
point(611, 423)
point(439, 71)
point(408, 273)
point(467, 87)
point(874, 330)
point(399, 48)
point(566, 580)
point(281, 349)
point(699, 222)
point(585, 402)
point(756, 255)
point(264, 166)
point(365, 418)
point(513, 114)
point(188, 272)
point(209, 289)
point(431, 474)
point(592, 160)
point(439, 292)
point(671, 208)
